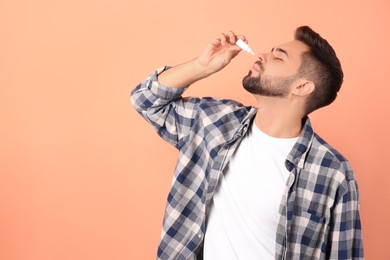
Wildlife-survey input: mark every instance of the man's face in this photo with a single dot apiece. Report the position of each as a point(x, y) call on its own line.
point(274, 72)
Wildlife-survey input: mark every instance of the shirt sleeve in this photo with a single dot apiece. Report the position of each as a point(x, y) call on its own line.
point(346, 235)
point(164, 108)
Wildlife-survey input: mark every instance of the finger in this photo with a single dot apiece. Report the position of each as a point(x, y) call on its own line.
point(222, 38)
point(242, 37)
point(235, 53)
point(232, 37)
point(235, 48)
point(219, 40)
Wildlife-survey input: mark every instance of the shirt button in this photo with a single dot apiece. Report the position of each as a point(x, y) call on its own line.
point(200, 235)
point(203, 199)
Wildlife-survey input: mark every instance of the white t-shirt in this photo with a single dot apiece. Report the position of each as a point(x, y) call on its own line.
point(243, 217)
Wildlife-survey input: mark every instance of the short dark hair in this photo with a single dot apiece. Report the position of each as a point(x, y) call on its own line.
point(320, 65)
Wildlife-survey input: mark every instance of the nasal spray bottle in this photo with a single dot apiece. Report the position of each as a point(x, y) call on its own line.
point(244, 46)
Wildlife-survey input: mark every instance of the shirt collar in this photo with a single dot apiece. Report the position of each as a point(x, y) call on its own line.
point(297, 156)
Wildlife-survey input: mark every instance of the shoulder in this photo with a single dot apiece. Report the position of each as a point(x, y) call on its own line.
point(330, 167)
point(330, 158)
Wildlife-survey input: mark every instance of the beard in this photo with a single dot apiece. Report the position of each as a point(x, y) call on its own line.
point(274, 86)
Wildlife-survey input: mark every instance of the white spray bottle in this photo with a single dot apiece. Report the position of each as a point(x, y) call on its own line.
point(244, 46)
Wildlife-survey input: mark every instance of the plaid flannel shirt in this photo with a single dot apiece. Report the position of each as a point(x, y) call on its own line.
point(319, 211)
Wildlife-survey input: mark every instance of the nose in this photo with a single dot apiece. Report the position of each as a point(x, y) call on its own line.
point(262, 57)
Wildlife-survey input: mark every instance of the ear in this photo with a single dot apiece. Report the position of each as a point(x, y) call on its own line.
point(303, 88)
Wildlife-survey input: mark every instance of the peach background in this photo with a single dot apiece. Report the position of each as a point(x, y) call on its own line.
point(82, 176)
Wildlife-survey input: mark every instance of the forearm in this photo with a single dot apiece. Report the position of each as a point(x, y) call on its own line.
point(183, 75)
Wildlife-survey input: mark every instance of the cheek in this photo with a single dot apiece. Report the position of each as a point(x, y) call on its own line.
point(280, 69)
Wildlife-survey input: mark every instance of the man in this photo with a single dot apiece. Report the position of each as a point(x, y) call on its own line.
point(255, 183)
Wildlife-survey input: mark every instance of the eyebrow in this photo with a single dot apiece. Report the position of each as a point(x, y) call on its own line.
point(280, 50)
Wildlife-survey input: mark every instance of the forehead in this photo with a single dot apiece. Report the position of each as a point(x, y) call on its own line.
point(294, 49)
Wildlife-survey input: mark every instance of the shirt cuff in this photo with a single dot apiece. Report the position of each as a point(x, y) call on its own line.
point(163, 91)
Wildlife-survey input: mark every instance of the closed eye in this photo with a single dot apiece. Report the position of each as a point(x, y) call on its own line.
point(279, 51)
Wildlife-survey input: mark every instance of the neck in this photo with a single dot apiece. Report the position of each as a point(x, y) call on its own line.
point(277, 117)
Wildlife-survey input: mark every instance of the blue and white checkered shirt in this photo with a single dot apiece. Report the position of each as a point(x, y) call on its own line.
point(319, 212)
